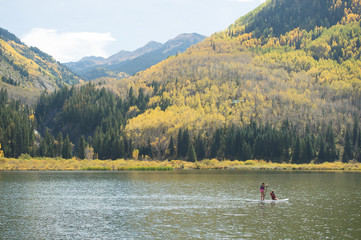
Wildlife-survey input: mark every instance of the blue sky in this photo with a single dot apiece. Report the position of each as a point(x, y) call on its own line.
point(71, 29)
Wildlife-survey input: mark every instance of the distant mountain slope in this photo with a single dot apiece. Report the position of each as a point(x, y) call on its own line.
point(170, 48)
point(305, 74)
point(26, 71)
point(88, 64)
point(133, 62)
point(276, 17)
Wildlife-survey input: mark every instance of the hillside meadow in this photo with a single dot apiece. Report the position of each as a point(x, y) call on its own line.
point(25, 163)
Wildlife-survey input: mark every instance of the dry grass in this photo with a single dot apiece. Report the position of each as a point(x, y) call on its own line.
point(27, 163)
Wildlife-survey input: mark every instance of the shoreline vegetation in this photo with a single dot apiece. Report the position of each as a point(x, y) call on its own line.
point(75, 164)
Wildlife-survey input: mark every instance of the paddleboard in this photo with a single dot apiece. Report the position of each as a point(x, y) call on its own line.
point(267, 200)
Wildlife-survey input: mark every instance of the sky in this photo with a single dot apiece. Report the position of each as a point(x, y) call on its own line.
point(72, 29)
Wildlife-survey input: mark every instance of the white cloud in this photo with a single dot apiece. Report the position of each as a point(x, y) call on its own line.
point(69, 46)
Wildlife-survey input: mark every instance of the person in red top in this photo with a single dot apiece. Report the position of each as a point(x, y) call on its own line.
point(273, 195)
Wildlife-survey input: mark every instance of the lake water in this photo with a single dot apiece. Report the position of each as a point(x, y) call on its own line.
point(178, 205)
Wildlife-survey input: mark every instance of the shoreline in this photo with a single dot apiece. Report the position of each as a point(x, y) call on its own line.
point(74, 164)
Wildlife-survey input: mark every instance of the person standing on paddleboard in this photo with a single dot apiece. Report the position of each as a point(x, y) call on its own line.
point(263, 190)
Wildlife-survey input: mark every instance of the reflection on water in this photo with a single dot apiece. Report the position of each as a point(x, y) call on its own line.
point(178, 205)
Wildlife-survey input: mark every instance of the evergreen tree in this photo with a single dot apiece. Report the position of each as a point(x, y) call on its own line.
point(81, 147)
point(330, 145)
point(191, 154)
point(347, 153)
point(59, 144)
point(246, 153)
point(185, 143)
point(216, 143)
point(258, 147)
point(200, 147)
point(322, 156)
point(179, 143)
point(171, 150)
point(43, 148)
point(355, 131)
point(296, 157)
point(149, 149)
point(309, 153)
point(98, 142)
point(67, 150)
point(141, 101)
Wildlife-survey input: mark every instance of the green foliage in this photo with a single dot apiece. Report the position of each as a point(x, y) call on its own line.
point(191, 154)
point(16, 127)
point(276, 17)
point(7, 36)
point(81, 147)
point(90, 112)
point(9, 81)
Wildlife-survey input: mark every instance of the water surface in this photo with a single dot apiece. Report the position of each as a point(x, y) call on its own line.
point(178, 205)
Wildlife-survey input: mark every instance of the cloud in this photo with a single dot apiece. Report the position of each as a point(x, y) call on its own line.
point(69, 46)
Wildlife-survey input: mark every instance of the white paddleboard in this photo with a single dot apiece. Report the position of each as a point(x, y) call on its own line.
point(267, 200)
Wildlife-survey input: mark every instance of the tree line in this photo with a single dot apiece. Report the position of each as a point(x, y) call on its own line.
point(263, 141)
point(17, 126)
point(90, 123)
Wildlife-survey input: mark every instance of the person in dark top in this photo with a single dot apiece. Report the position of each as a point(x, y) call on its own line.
point(273, 195)
point(262, 189)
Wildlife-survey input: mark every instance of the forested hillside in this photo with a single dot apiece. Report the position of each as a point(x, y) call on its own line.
point(308, 75)
point(283, 83)
point(27, 71)
point(17, 124)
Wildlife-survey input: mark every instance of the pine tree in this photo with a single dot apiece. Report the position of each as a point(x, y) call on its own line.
point(216, 143)
point(296, 157)
point(355, 137)
point(258, 147)
point(171, 150)
point(309, 154)
point(185, 143)
point(191, 154)
point(67, 151)
point(200, 147)
point(179, 143)
point(347, 153)
point(330, 143)
point(246, 153)
point(81, 147)
point(59, 144)
point(322, 152)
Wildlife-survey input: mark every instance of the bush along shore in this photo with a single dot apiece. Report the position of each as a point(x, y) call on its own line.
point(75, 164)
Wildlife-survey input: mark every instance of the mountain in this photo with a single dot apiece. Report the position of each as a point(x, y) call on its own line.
point(127, 55)
point(170, 48)
point(87, 64)
point(288, 61)
point(27, 71)
point(281, 84)
point(132, 62)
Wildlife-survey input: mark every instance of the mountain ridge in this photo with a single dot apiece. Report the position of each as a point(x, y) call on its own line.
point(28, 70)
point(131, 62)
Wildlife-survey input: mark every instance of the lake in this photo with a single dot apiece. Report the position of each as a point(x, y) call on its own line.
point(179, 205)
